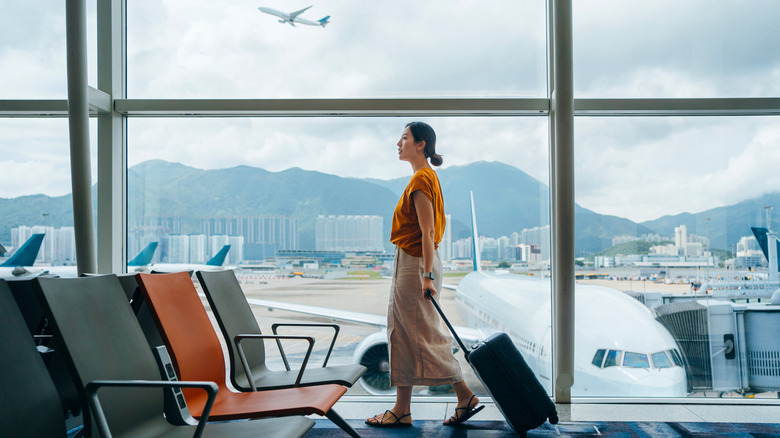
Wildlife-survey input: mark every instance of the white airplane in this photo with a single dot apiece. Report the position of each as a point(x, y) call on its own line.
point(294, 17)
point(214, 264)
point(620, 350)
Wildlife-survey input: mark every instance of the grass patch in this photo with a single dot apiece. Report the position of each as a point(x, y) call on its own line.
point(363, 275)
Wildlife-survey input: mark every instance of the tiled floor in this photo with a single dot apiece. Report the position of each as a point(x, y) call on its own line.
point(758, 411)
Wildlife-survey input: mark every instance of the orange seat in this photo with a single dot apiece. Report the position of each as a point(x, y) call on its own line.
point(197, 355)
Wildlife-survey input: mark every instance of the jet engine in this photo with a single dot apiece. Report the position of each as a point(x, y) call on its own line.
point(373, 354)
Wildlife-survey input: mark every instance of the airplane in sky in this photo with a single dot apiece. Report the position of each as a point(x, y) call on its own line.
point(620, 350)
point(21, 261)
point(214, 264)
point(294, 17)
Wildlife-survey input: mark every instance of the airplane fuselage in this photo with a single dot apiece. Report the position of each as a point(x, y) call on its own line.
point(607, 320)
point(293, 18)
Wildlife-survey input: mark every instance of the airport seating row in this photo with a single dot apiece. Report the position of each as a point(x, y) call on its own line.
point(107, 328)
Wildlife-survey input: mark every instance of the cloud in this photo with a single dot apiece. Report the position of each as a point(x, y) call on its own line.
point(714, 49)
point(36, 158)
point(634, 167)
point(698, 164)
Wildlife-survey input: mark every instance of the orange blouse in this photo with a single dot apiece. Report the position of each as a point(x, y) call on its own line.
point(406, 232)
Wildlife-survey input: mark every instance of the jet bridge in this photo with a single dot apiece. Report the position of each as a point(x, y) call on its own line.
point(727, 346)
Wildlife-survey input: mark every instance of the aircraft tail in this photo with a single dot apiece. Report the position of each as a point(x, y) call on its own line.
point(27, 253)
point(145, 256)
point(323, 21)
point(761, 237)
point(219, 258)
point(476, 258)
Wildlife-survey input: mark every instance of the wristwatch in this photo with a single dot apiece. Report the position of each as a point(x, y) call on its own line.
point(429, 275)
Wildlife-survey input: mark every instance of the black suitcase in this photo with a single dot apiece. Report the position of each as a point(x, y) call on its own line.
point(509, 380)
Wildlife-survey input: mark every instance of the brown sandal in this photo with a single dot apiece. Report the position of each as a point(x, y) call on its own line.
point(395, 423)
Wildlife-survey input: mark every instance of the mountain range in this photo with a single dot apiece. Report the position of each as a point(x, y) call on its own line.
point(506, 198)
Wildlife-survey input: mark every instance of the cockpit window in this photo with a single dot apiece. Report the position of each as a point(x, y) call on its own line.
point(636, 360)
point(676, 357)
point(661, 360)
point(598, 359)
point(613, 358)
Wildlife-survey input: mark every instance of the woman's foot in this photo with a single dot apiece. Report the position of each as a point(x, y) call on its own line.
point(390, 419)
point(465, 411)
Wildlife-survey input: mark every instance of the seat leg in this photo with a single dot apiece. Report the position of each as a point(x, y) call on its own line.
point(338, 421)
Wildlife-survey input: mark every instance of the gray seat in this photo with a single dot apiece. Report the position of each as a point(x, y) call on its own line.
point(23, 293)
point(235, 317)
point(29, 405)
point(141, 309)
point(105, 346)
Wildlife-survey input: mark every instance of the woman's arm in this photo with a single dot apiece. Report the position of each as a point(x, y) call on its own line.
point(424, 209)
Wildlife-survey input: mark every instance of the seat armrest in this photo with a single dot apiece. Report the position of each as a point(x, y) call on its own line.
point(100, 417)
point(238, 338)
point(335, 327)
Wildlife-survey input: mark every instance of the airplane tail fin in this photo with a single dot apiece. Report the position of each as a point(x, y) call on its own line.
point(27, 253)
point(324, 21)
point(219, 258)
point(477, 258)
point(145, 256)
point(761, 237)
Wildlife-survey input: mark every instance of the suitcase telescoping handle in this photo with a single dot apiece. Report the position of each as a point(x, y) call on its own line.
point(466, 351)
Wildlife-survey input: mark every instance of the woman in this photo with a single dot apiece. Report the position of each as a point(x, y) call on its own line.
point(420, 345)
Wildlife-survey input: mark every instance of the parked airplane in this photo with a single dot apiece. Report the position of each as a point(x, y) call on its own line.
point(294, 17)
point(214, 264)
point(620, 350)
point(138, 264)
point(143, 259)
point(21, 261)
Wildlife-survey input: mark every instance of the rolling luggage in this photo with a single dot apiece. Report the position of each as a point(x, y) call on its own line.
point(509, 380)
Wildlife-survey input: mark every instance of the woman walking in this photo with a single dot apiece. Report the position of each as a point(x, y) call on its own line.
point(420, 345)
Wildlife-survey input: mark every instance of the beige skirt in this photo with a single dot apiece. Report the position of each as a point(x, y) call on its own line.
point(420, 344)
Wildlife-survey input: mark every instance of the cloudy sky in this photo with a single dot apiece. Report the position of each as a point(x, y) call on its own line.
point(640, 168)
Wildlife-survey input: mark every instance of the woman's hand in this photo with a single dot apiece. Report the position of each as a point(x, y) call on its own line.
point(427, 284)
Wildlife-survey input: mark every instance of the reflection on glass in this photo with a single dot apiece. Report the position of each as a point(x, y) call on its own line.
point(306, 207)
point(676, 225)
point(661, 360)
point(613, 358)
point(635, 360)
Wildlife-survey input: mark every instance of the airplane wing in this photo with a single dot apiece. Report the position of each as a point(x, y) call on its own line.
point(297, 13)
point(467, 334)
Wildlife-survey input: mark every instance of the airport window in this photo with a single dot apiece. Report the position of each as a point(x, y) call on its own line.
point(667, 190)
point(684, 227)
point(635, 360)
point(367, 49)
point(725, 51)
point(306, 206)
point(613, 358)
point(598, 358)
point(661, 360)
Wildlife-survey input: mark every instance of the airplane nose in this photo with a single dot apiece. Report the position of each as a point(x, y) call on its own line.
point(657, 386)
